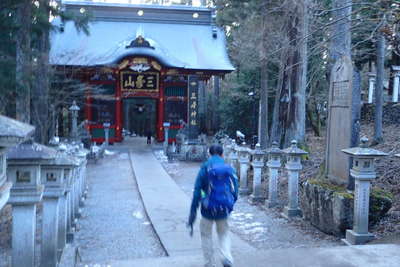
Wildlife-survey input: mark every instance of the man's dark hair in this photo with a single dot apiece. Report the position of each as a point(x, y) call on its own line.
point(216, 150)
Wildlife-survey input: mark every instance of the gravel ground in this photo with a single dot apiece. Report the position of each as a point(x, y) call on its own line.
point(114, 224)
point(261, 227)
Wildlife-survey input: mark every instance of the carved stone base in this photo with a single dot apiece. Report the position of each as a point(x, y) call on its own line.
point(353, 238)
point(244, 191)
point(290, 213)
point(256, 199)
point(271, 204)
point(70, 237)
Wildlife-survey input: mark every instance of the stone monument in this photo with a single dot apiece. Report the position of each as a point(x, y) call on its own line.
point(340, 122)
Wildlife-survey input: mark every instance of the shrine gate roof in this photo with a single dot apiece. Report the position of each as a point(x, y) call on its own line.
point(180, 37)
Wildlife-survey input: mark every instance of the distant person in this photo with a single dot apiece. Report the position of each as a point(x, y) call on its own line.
point(216, 188)
point(148, 137)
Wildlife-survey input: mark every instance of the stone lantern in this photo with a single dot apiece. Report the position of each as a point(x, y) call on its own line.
point(106, 126)
point(233, 156)
point(54, 208)
point(244, 161)
point(74, 114)
point(24, 171)
point(81, 154)
point(258, 164)
point(363, 171)
point(274, 164)
point(166, 126)
point(227, 151)
point(371, 86)
point(396, 83)
point(293, 167)
point(12, 133)
point(65, 222)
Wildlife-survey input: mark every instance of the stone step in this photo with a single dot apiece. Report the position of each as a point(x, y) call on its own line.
point(344, 256)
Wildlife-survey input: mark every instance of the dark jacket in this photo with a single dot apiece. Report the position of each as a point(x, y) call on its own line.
point(201, 188)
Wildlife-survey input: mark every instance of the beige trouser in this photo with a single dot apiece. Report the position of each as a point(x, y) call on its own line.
point(206, 226)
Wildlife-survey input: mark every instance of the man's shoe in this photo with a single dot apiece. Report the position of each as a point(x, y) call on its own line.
point(227, 263)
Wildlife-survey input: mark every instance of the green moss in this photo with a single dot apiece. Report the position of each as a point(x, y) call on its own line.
point(345, 195)
point(321, 171)
point(376, 193)
point(306, 148)
point(380, 193)
point(380, 203)
point(337, 189)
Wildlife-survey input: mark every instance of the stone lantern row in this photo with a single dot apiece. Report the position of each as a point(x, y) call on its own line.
point(396, 85)
point(363, 171)
point(241, 158)
point(56, 177)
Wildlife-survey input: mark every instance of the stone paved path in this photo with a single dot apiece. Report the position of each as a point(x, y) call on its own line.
point(114, 224)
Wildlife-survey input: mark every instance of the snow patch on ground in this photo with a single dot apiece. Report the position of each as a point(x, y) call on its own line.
point(138, 215)
point(123, 156)
point(108, 152)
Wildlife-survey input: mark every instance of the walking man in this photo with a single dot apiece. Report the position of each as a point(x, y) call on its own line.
point(216, 188)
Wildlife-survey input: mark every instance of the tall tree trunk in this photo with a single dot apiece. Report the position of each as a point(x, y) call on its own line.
point(40, 86)
point(380, 68)
point(289, 110)
point(281, 99)
point(23, 61)
point(297, 114)
point(263, 137)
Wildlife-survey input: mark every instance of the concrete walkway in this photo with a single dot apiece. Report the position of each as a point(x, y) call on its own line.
point(168, 206)
point(354, 256)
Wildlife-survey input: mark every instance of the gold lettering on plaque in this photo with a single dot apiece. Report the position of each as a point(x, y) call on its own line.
point(139, 82)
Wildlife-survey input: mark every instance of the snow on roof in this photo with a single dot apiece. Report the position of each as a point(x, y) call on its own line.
point(180, 38)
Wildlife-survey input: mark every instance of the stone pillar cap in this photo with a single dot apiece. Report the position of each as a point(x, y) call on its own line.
point(66, 160)
point(293, 150)
point(54, 141)
point(257, 150)
point(396, 68)
point(274, 149)
point(363, 151)
point(74, 106)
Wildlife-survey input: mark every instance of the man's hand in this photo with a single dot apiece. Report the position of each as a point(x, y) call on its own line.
point(190, 226)
point(192, 218)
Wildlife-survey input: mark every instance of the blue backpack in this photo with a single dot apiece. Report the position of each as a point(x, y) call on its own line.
point(219, 199)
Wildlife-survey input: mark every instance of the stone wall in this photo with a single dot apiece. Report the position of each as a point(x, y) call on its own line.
point(391, 113)
point(330, 208)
